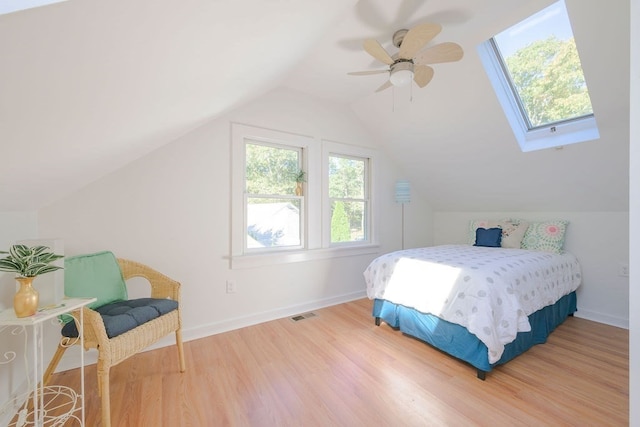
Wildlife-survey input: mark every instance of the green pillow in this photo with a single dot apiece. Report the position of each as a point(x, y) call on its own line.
point(95, 275)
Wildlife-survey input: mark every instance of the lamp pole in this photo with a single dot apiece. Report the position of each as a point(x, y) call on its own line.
point(403, 195)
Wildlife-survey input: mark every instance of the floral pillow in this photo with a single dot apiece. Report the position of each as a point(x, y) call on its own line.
point(545, 236)
point(513, 231)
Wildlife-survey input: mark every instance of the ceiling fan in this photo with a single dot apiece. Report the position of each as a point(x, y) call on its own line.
point(410, 62)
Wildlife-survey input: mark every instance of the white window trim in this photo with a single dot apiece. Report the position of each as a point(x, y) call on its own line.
point(285, 257)
point(315, 192)
point(554, 135)
point(310, 147)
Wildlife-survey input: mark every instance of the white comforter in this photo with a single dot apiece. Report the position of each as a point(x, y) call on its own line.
point(489, 291)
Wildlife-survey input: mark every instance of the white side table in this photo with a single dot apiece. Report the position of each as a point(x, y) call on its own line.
point(44, 399)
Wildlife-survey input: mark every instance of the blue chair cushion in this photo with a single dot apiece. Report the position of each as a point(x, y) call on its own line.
point(122, 316)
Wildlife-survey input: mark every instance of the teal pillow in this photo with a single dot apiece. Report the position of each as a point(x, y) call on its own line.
point(95, 275)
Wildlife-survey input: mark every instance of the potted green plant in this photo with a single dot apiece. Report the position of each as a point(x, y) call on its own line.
point(28, 263)
point(300, 177)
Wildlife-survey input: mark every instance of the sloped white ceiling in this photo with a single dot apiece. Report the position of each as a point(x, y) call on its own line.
point(87, 86)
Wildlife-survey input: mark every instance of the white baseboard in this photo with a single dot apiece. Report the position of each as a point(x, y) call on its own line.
point(71, 360)
point(602, 318)
point(254, 319)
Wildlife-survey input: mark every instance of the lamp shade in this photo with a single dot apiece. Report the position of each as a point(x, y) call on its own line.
point(403, 191)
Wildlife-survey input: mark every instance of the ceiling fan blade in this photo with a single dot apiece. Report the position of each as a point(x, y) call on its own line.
point(407, 9)
point(367, 73)
point(416, 38)
point(422, 75)
point(375, 49)
point(443, 52)
point(384, 86)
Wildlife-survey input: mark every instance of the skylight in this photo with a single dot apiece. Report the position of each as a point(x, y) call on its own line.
point(537, 75)
point(9, 6)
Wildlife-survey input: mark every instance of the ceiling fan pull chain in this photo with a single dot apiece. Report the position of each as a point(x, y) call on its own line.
point(393, 99)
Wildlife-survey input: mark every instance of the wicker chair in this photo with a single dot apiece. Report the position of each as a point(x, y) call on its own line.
point(114, 350)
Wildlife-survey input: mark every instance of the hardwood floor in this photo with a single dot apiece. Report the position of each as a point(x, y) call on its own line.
point(339, 369)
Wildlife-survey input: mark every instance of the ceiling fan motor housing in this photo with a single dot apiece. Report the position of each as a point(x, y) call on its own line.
point(398, 36)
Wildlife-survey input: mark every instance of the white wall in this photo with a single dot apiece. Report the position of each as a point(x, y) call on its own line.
point(14, 226)
point(634, 202)
point(600, 240)
point(171, 210)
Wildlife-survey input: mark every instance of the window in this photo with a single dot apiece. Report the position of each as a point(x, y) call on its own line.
point(9, 6)
point(536, 72)
point(348, 183)
point(348, 199)
point(272, 222)
point(274, 210)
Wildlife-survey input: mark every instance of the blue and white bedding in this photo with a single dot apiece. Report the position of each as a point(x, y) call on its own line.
point(489, 291)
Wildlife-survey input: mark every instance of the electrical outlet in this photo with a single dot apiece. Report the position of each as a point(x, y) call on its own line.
point(231, 287)
point(623, 270)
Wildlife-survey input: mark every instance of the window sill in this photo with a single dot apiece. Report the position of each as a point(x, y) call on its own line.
point(561, 134)
point(285, 257)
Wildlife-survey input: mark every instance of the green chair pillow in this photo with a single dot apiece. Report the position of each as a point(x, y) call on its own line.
point(95, 275)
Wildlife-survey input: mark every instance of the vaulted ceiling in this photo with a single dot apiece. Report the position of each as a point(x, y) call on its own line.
point(87, 86)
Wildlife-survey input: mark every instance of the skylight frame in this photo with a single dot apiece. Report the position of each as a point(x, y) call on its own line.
point(529, 137)
point(10, 6)
point(509, 80)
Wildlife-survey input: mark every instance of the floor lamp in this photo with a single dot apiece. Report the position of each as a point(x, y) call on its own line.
point(403, 195)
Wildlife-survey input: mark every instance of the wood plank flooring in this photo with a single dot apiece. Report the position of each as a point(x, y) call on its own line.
point(339, 369)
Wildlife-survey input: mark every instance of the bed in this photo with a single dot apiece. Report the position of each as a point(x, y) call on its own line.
point(483, 305)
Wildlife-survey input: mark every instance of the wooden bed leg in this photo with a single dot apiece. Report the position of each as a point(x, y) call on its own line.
point(482, 375)
point(377, 321)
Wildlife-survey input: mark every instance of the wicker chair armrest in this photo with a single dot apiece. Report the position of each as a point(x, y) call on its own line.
point(94, 332)
point(161, 285)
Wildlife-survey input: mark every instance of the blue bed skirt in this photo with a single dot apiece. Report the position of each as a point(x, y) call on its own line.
point(459, 342)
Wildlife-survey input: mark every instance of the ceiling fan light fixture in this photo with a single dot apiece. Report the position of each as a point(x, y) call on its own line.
point(401, 74)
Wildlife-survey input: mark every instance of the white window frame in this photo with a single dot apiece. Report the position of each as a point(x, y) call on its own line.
point(10, 6)
point(548, 136)
point(330, 148)
point(315, 223)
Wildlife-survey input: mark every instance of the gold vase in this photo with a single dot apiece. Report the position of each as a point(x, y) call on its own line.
point(25, 301)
